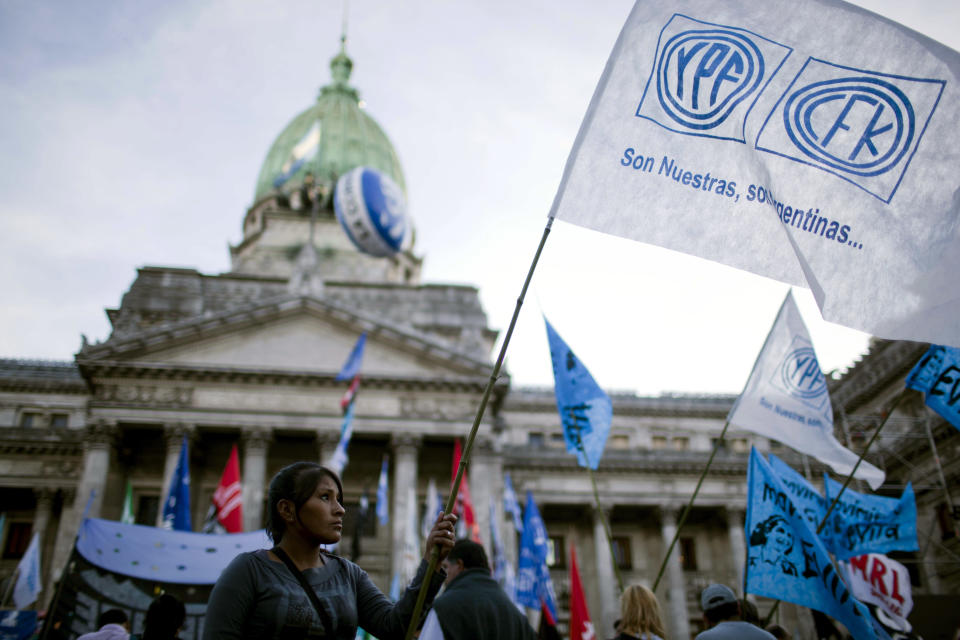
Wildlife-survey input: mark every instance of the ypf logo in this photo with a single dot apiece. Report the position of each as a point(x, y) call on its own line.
point(799, 375)
point(707, 77)
point(860, 125)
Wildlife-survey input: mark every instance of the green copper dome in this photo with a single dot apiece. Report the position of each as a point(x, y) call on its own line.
point(328, 139)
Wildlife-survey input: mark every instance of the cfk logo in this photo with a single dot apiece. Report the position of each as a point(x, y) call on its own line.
point(860, 125)
point(702, 75)
point(706, 77)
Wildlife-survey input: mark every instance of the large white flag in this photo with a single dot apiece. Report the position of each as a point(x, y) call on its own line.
point(812, 142)
point(28, 585)
point(786, 398)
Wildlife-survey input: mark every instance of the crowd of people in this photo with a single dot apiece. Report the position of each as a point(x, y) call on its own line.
point(297, 589)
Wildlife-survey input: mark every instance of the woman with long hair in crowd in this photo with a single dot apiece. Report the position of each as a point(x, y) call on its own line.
point(297, 589)
point(640, 616)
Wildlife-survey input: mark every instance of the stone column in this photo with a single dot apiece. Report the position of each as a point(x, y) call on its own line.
point(41, 518)
point(173, 435)
point(738, 545)
point(606, 578)
point(405, 450)
point(676, 609)
point(255, 442)
point(326, 445)
point(98, 439)
point(485, 480)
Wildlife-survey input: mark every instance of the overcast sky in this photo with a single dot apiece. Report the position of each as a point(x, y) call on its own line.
point(133, 133)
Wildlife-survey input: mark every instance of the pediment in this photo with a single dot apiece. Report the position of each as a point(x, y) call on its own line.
point(295, 334)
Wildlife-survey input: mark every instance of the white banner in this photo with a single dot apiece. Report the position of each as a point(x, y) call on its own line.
point(877, 579)
point(786, 398)
point(812, 142)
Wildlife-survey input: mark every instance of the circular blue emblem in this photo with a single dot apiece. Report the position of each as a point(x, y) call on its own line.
point(801, 375)
point(860, 125)
point(371, 209)
point(702, 75)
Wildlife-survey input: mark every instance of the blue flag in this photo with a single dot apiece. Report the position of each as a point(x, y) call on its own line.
point(863, 523)
point(585, 409)
point(383, 503)
point(534, 585)
point(937, 375)
point(339, 459)
point(503, 571)
point(352, 366)
point(510, 504)
point(788, 561)
point(804, 495)
point(176, 508)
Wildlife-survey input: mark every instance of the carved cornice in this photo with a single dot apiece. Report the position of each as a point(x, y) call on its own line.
point(36, 442)
point(175, 432)
point(537, 400)
point(882, 366)
point(256, 440)
point(132, 393)
point(616, 462)
point(100, 434)
point(405, 442)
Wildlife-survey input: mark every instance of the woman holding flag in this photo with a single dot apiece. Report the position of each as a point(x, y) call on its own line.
point(296, 589)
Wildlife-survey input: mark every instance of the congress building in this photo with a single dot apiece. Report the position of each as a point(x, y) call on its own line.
point(249, 358)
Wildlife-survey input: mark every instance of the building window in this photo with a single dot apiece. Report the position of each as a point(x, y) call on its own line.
point(658, 443)
point(688, 554)
point(59, 420)
point(535, 439)
point(621, 552)
point(29, 419)
point(681, 444)
point(147, 509)
point(620, 441)
point(556, 558)
point(18, 539)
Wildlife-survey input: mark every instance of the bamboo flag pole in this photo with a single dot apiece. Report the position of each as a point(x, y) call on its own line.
point(836, 500)
point(601, 514)
point(468, 446)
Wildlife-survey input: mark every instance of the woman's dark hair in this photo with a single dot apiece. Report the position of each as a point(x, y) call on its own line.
point(760, 532)
point(164, 618)
point(295, 482)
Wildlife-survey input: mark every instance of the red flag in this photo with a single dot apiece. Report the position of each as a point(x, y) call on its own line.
point(350, 393)
point(580, 626)
point(228, 497)
point(464, 505)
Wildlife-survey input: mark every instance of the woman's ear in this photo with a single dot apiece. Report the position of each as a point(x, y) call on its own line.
point(286, 510)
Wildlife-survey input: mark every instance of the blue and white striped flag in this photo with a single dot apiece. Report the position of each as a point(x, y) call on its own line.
point(510, 504)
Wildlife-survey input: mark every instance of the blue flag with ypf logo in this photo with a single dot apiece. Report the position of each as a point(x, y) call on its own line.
point(585, 409)
point(937, 375)
point(176, 508)
point(816, 146)
point(787, 561)
point(786, 398)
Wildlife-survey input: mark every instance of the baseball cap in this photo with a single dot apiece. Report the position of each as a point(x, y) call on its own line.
point(716, 595)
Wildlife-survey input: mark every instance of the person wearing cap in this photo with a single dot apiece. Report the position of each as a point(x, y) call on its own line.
point(722, 616)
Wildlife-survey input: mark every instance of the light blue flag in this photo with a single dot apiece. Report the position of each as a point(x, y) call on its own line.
point(510, 504)
point(28, 585)
point(804, 495)
point(432, 508)
point(534, 585)
point(176, 508)
point(869, 524)
point(396, 589)
point(585, 409)
point(786, 559)
point(352, 366)
point(937, 375)
point(305, 149)
point(383, 504)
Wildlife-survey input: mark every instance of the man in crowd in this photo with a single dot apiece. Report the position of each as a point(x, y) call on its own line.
point(111, 625)
point(722, 616)
point(472, 605)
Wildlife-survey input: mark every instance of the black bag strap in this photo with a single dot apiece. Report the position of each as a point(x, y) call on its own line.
point(314, 599)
